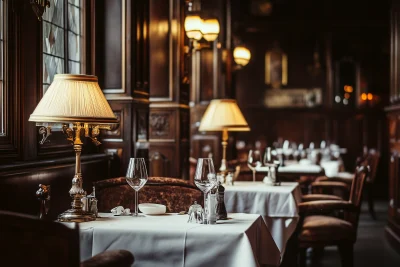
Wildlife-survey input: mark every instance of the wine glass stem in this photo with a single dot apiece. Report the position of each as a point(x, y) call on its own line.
point(205, 205)
point(136, 202)
point(254, 175)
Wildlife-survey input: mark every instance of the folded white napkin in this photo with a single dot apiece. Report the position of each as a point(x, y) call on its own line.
point(120, 211)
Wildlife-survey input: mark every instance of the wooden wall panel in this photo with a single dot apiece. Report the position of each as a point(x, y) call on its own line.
point(206, 75)
point(123, 64)
point(169, 140)
point(163, 124)
point(160, 47)
point(393, 137)
point(393, 227)
point(19, 183)
point(169, 116)
point(109, 43)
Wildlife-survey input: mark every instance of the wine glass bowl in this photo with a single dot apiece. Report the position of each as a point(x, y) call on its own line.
point(254, 160)
point(136, 177)
point(205, 178)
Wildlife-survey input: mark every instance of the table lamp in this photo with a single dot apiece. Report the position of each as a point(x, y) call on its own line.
point(77, 103)
point(223, 115)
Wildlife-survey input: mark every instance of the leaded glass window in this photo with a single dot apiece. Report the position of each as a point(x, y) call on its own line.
point(2, 70)
point(62, 39)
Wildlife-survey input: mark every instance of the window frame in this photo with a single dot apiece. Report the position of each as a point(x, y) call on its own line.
point(4, 78)
point(57, 144)
point(66, 29)
point(9, 142)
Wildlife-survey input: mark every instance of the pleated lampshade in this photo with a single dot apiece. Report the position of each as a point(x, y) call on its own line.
point(223, 114)
point(74, 98)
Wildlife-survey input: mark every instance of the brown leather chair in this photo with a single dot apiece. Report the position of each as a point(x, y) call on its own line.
point(176, 194)
point(29, 241)
point(318, 231)
point(342, 183)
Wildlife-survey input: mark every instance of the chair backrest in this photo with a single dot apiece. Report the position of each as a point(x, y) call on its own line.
point(176, 194)
point(356, 193)
point(27, 241)
point(372, 161)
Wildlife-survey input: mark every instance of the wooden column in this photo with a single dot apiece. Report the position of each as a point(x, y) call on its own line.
point(121, 63)
point(169, 91)
point(393, 113)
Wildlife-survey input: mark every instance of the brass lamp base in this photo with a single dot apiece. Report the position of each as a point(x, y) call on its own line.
point(75, 215)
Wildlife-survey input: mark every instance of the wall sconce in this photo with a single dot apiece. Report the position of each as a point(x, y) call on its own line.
point(193, 27)
point(241, 55)
point(39, 6)
point(196, 28)
point(210, 29)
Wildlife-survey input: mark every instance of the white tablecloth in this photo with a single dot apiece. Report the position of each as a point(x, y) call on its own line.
point(276, 204)
point(295, 168)
point(168, 240)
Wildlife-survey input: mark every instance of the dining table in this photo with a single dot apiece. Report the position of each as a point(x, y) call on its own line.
point(277, 205)
point(295, 170)
point(169, 240)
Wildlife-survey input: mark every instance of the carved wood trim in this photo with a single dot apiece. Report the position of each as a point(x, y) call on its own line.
point(160, 124)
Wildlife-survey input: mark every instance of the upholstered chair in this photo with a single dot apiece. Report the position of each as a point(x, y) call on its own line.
point(176, 194)
point(340, 184)
point(319, 229)
point(29, 241)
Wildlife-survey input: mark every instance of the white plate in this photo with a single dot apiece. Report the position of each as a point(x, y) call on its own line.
point(152, 209)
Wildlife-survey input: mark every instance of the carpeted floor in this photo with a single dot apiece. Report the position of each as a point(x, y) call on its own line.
point(371, 249)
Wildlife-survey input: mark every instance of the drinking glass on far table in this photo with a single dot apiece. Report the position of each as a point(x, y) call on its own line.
point(205, 178)
point(254, 160)
point(136, 177)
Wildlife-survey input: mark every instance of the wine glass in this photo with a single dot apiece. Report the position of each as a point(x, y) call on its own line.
point(136, 177)
point(205, 178)
point(254, 160)
point(268, 160)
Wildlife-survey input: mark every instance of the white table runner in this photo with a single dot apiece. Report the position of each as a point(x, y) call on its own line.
point(168, 240)
point(276, 204)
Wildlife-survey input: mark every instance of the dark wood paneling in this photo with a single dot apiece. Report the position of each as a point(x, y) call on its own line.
point(169, 141)
point(131, 105)
point(163, 124)
point(206, 75)
point(393, 227)
point(159, 39)
point(169, 91)
point(10, 144)
point(117, 143)
point(19, 183)
point(109, 43)
point(393, 114)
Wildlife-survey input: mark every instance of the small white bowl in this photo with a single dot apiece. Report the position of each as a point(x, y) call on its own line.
point(152, 209)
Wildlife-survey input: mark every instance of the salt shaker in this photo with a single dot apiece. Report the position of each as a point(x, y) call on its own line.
point(93, 206)
point(221, 209)
point(229, 179)
point(92, 201)
point(85, 202)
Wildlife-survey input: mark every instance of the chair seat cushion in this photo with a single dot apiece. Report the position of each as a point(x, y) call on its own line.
point(326, 229)
point(313, 197)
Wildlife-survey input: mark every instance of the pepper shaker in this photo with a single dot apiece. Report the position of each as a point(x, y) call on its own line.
point(221, 209)
point(93, 202)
